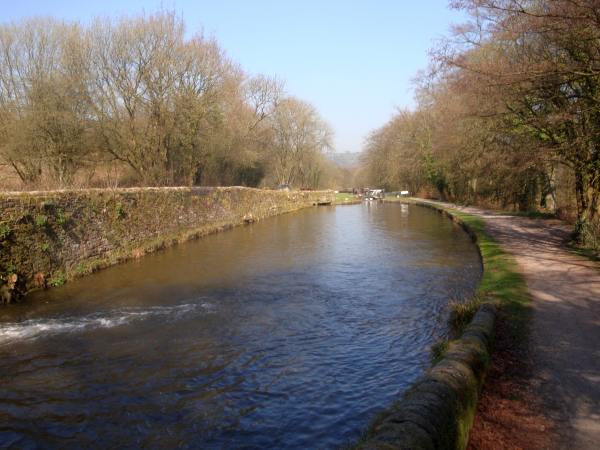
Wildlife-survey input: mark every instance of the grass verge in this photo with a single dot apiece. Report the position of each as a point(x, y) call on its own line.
point(343, 197)
point(501, 283)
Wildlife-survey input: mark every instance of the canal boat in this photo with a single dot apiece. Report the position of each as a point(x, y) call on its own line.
point(374, 195)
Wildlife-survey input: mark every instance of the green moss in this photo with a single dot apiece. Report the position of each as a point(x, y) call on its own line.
point(438, 350)
point(465, 422)
point(41, 220)
point(45, 247)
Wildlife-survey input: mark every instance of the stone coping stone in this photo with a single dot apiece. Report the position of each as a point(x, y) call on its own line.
point(437, 411)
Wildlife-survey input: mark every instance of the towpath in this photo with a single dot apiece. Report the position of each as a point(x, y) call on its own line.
point(565, 328)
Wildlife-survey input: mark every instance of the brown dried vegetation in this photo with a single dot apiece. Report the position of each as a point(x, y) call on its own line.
point(134, 102)
point(508, 114)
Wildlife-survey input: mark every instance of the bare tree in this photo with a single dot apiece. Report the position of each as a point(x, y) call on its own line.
point(300, 137)
point(43, 99)
point(136, 98)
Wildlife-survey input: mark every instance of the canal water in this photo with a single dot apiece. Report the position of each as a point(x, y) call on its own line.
point(289, 333)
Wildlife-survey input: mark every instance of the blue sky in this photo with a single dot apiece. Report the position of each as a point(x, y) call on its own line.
point(354, 60)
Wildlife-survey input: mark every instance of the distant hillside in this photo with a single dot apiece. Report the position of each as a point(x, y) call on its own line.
point(346, 159)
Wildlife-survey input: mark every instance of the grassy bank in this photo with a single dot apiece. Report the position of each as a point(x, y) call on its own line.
point(501, 283)
point(343, 198)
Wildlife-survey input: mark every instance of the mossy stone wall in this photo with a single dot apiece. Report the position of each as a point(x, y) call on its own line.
point(437, 411)
point(47, 238)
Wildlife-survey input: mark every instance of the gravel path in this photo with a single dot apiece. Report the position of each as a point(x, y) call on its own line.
point(565, 335)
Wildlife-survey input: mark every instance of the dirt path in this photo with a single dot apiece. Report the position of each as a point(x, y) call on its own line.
point(565, 337)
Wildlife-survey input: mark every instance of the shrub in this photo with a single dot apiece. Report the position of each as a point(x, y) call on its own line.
point(58, 279)
point(41, 220)
point(61, 218)
point(120, 211)
point(4, 231)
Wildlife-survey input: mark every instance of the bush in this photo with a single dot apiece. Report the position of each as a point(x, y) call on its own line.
point(120, 211)
point(61, 218)
point(4, 231)
point(58, 280)
point(41, 220)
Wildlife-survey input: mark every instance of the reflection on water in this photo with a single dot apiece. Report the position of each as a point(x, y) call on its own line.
point(290, 333)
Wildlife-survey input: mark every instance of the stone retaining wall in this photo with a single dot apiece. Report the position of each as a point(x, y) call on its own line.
point(47, 238)
point(438, 410)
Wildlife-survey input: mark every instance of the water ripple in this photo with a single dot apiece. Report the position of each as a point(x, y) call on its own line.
point(35, 328)
point(291, 333)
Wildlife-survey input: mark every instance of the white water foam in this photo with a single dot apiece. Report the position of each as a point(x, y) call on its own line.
point(34, 328)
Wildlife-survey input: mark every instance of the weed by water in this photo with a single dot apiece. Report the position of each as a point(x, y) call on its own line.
point(462, 312)
point(58, 279)
point(344, 197)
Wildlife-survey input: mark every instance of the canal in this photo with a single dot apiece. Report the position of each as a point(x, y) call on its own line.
point(289, 333)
